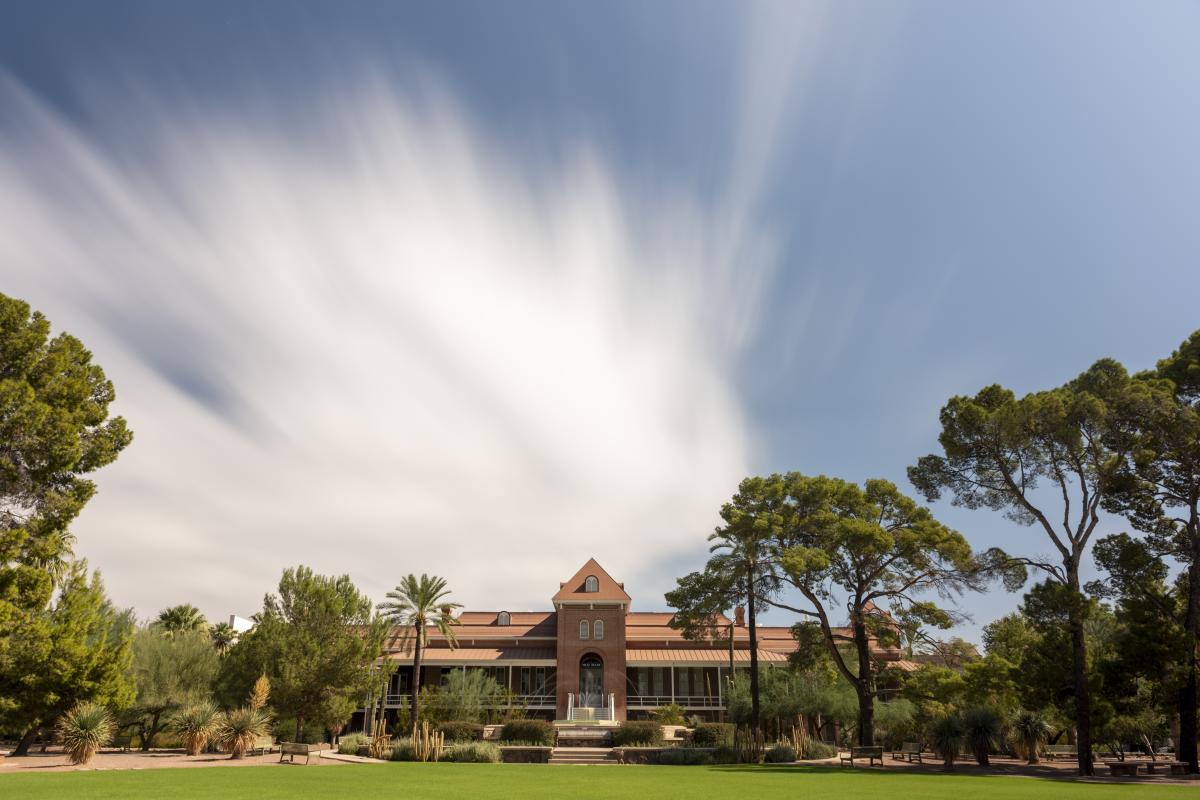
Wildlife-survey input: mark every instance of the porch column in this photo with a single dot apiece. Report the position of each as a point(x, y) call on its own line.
point(672, 668)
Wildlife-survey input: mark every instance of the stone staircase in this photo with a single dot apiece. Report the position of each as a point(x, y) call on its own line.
point(582, 755)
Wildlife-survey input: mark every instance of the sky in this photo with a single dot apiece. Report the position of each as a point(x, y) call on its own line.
point(485, 289)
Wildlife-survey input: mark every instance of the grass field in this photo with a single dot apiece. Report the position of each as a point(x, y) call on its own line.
point(485, 781)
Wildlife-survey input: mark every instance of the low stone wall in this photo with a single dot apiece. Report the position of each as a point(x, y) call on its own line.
point(637, 755)
point(525, 755)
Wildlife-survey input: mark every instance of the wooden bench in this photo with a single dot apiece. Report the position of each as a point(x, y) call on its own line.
point(910, 752)
point(262, 746)
point(872, 754)
point(1054, 751)
point(290, 750)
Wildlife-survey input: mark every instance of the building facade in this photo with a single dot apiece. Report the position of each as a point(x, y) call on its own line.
point(592, 656)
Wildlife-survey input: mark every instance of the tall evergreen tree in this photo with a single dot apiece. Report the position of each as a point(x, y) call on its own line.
point(998, 453)
point(170, 673)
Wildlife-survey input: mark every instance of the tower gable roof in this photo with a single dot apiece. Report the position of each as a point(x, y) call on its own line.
point(608, 590)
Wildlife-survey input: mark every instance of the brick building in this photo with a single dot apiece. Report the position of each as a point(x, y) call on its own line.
point(592, 656)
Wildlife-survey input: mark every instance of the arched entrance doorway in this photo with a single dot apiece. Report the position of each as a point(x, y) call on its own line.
point(591, 681)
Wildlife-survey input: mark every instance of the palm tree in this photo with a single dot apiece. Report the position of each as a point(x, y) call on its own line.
point(223, 636)
point(414, 605)
point(1031, 729)
point(180, 619)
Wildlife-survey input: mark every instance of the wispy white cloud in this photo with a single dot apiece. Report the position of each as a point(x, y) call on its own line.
point(383, 345)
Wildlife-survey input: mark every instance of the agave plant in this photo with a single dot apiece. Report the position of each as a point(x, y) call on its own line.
point(947, 735)
point(196, 724)
point(240, 729)
point(1030, 729)
point(983, 728)
point(84, 730)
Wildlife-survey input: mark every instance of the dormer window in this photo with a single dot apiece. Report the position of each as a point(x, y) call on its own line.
point(502, 618)
point(583, 629)
point(598, 629)
point(591, 584)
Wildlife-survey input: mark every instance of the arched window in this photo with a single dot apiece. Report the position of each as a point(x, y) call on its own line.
point(591, 584)
point(502, 618)
point(583, 629)
point(598, 629)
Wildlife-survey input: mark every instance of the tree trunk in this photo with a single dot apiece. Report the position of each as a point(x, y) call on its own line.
point(148, 732)
point(299, 728)
point(416, 677)
point(1083, 706)
point(866, 697)
point(26, 742)
point(754, 705)
point(1185, 748)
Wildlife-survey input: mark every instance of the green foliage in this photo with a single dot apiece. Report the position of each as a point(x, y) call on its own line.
point(470, 695)
point(316, 641)
point(946, 736)
point(630, 733)
point(169, 672)
point(684, 757)
point(672, 714)
point(55, 429)
point(532, 731)
point(473, 753)
point(196, 724)
point(185, 618)
point(460, 731)
point(984, 731)
point(816, 751)
point(238, 730)
point(349, 744)
point(896, 721)
point(1030, 729)
point(780, 754)
point(84, 730)
point(81, 654)
point(725, 754)
point(713, 734)
point(404, 750)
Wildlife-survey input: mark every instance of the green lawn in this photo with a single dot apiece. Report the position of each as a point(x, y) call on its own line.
point(484, 781)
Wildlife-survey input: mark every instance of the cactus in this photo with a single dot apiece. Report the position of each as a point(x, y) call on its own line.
point(428, 743)
point(381, 743)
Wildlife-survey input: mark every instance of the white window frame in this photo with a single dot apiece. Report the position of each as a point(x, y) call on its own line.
point(503, 618)
point(591, 584)
point(583, 630)
point(598, 630)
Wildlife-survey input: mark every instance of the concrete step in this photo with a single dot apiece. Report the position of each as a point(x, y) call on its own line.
point(581, 755)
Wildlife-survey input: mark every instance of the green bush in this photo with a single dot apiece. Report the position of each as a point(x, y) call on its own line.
point(713, 734)
point(638, 733)
point(472, 753)
point(348, 745)
point(285, 731)
point(724, 755)
point(403, 750)
point(685, 756)
point(669, 715)
point(460, 731)
point(780, 754)
point(814, 750)
point(531, 731)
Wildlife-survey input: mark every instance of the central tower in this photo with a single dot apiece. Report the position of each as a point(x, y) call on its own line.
point(591, 610)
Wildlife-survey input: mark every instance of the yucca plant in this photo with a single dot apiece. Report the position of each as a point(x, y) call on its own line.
point(946, 736)
point(196, 724)
point(84, 730)
point(240, 729)
point(1030, 729)
point(983, 728)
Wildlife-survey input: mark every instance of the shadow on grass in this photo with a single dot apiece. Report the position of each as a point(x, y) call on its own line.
point(1034, 771)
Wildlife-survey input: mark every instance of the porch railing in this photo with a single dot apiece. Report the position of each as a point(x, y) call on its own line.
point(687, 701)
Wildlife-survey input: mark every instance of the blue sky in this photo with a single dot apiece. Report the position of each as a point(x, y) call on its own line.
point(547, 278)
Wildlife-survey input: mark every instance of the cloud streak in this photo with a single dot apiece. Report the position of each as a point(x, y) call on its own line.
point(382, 346)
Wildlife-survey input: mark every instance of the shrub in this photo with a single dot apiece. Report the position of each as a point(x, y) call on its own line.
point(684, 756)
point(196, 724)
point(460, 731)
point(638, 733)
point(534, 731)
point(85, 729)
point(780, 754)
point(815, 751)
point(473, 753)
point(669, 715)
point(239, 730)
point(724, 755)
point(713, 734)
point(403, 750)
point(1030, 729)
point(284, 729)
point(348, 745)
point(983, 728)
point(946, 736)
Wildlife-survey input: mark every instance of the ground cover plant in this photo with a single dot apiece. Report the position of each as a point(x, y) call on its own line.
point(487, 781)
